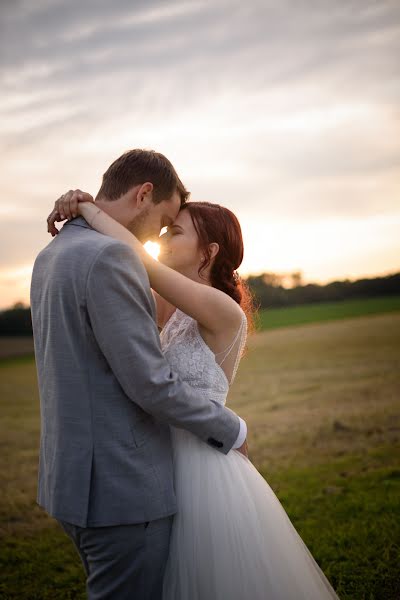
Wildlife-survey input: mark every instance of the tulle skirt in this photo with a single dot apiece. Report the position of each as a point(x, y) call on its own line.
point(231, 538)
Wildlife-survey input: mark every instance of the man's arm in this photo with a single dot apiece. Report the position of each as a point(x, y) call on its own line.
point(121, 312)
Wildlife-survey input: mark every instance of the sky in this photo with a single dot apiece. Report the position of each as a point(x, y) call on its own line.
point(286, 112)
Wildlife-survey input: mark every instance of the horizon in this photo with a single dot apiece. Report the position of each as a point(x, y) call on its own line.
point(245, 277)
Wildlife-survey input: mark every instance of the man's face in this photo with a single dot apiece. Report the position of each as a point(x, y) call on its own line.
point(153, 217)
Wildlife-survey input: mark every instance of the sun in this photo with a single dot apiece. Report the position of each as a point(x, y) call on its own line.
point(153, 249)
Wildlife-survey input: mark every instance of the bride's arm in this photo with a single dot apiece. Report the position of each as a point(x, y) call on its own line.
point(213, 309)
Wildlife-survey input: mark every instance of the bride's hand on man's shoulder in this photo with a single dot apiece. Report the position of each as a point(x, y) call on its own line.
point(66, 207)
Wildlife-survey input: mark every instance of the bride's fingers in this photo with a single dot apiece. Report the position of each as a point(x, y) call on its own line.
point(69, 203)
point(65, 205)
point(59, 208)
point(60, 212)
point(51, 219)
point(75, 198)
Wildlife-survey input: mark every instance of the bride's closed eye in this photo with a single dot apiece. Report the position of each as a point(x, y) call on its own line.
point(173, 230)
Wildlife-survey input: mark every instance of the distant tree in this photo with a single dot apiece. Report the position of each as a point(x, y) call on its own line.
point(297, 279)
point(16, 321)
point(19, 305)
point(273, 279)
point(267, 289)
point(269, 292)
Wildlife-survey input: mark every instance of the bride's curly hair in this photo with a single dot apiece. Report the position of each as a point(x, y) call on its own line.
point(215, 223)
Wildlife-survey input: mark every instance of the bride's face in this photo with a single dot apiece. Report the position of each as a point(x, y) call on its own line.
point(179, 246)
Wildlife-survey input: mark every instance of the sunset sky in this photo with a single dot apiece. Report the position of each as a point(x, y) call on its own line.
point(286, 112)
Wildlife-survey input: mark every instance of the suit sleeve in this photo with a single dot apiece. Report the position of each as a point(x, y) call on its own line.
point(122, 314)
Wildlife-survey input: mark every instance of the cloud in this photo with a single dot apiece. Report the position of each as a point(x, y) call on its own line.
point(279, 110)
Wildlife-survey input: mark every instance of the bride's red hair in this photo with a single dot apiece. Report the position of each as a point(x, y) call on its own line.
point(215, 223)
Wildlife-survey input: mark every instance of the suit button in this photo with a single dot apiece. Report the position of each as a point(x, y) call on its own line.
point(214, 443)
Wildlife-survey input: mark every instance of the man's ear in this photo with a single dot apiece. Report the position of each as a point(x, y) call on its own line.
point(144, 195)
point(214, 249)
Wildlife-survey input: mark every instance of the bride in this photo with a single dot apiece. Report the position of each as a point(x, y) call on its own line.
point(231, 538)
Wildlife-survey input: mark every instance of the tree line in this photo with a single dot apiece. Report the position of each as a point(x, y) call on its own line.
point(268, 291)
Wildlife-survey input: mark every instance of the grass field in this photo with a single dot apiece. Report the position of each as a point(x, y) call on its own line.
point(322, 406)
point(273, 318)
point(16, 346)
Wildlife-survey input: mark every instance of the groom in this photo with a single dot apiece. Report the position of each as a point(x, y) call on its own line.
point(107, 394)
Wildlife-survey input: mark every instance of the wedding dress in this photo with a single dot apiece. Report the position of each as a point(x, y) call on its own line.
point(231, 538)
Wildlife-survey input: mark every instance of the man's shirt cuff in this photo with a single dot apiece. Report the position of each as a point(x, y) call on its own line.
point(242, 434)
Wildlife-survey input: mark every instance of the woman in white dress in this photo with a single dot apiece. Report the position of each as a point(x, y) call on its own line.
point(231, 538)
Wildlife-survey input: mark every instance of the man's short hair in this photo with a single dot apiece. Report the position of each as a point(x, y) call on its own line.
point(137, 166)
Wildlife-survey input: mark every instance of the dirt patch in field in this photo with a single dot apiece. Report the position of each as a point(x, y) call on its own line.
point(16, 346)
point(321, 389)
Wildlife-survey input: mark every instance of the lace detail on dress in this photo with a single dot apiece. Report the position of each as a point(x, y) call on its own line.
point(194, 361)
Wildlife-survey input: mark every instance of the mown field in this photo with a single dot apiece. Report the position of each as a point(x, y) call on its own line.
point(16, 346)
point(273, 318)
point(321, 401)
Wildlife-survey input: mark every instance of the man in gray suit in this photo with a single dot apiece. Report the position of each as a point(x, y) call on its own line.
point(107, 395)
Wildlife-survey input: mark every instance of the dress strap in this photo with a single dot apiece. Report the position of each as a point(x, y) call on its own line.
point(241, 337)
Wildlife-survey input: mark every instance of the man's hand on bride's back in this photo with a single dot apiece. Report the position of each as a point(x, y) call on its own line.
point(66, 207)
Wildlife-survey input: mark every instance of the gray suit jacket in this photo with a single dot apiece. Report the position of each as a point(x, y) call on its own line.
point(107, 394)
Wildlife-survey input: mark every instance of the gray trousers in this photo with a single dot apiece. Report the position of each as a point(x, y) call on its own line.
point(124, 562)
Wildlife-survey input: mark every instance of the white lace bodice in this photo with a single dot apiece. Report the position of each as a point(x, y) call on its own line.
point(194, 361)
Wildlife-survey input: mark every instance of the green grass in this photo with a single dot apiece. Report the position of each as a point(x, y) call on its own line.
point(40, 566)
point(273, 318)
point(346, 511)
point(24, 359)
point(12, 348)
point(322, 408)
